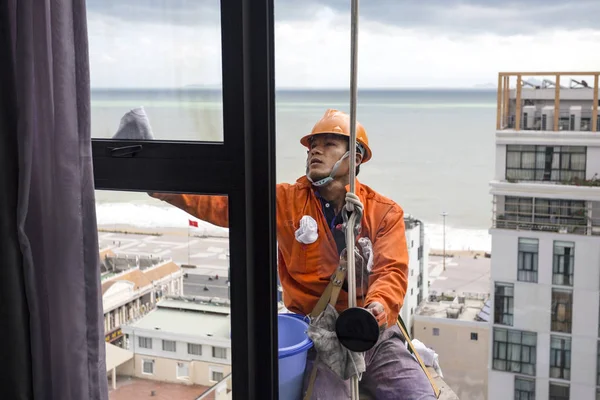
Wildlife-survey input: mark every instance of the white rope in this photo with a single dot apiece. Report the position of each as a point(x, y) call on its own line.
point(350, 238)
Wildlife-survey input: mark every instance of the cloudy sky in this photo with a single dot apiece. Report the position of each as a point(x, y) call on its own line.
point(429, 43)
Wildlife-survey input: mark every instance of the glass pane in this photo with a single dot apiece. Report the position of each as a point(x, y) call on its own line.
point(155, 69)
point(165, 281)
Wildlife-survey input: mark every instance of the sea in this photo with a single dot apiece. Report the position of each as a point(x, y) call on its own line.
point(433, 150)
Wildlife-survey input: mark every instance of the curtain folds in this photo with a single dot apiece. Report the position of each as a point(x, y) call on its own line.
point(54, 298)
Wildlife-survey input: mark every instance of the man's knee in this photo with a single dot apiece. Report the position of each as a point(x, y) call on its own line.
point(393, 373)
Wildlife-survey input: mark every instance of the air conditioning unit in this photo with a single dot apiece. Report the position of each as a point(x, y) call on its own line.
point(548, 118)
point(452, 313)
point(574, 118)
point(529, 117)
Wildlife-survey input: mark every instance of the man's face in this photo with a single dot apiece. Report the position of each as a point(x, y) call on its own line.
point(325, 151)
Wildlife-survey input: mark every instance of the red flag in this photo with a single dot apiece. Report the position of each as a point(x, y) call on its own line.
point(193, 223)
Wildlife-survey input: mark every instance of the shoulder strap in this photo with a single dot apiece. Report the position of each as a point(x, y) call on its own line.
point(330, 295)
point(436, 391)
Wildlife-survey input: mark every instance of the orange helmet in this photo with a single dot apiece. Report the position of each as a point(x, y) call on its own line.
point(338, 123)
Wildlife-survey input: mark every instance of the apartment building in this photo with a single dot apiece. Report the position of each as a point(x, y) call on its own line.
point(546, 239)
point(418, 251)
point(182, 340)
point(130, 294)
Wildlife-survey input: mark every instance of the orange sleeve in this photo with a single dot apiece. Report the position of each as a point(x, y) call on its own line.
point(388, 281)
point(213, 209)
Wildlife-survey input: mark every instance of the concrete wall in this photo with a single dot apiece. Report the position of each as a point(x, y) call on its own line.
point(463, 361)
point(532, 309)
point(165, 370)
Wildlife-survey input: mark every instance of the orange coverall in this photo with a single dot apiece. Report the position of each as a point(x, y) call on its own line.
point(305, 269)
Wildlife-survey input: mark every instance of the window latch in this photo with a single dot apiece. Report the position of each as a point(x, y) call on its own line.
point(125, 151)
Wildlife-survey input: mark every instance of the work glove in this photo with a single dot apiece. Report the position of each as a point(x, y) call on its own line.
point(363, 261)
point(378, 311)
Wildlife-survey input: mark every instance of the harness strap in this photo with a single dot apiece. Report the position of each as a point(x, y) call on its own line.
point(436, 391)
point(330, 295)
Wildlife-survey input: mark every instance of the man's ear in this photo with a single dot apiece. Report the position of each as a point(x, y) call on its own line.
point(359, 158)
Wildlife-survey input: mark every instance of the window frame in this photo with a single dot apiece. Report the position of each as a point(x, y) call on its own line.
point(565, 277)
point(564, 354)
point(555, 324)
point(145, 338)
point(563, 155)
point(558, 396)
point(166, 342)
point(509, 348)
point(523, 394)
point(510, 299)
point(147, 361)
point(243, 168)
point(524, 273)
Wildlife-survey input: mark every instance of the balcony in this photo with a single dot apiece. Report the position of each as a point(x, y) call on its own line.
point(576, 217)
point(548, 101)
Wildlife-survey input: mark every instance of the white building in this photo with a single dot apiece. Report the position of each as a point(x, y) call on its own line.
point(457, 328)
point(418, 251)
point(180, 341)
point(130, 294)
point(545, 242)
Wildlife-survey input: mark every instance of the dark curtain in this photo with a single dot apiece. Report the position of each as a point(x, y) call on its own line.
point(51, 305)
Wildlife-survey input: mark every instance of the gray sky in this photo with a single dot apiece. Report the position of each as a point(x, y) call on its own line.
point(429, 43)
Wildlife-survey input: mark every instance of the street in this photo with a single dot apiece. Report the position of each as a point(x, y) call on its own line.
point(208, 257)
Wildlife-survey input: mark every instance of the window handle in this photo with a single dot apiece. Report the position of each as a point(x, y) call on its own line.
point(125, 151)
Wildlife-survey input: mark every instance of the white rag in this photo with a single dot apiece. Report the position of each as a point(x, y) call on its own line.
point(429, 356)
point(135, 125)
point(343, 362)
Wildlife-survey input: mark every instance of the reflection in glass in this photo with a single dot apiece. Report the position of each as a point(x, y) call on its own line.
point(165, 286)
point(156, 65)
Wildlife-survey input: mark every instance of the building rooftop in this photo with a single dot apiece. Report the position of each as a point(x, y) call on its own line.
point(193, 320)
point(461, 308)
point(141, 277)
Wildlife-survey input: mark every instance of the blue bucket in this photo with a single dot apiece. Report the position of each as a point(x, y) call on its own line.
point(293, 347)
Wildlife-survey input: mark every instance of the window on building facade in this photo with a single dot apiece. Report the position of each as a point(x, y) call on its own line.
point(514, 351)
point(552, 215)
point(558, 391)
point(560, 357)
point(216, 376)
point(195, 349)
point(169, 345)
point(524, 388)
point(183, 370)
point(148, 367)
point(474, 336)
point(144, 342)
point(527, 263)
point(563, 263)
point(557, 214)
point(545, 163)
point(436, 331)
point(503, 303)
point(562, 305)
point(219, 352)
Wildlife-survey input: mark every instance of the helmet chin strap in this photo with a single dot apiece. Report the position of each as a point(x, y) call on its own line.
point(326, 180)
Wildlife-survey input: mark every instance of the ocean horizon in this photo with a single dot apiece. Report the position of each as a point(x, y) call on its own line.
point(433, 149)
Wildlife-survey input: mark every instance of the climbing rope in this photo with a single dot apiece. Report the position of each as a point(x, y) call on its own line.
point(350, 233)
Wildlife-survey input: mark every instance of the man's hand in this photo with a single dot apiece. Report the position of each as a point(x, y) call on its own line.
point(378, 311)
